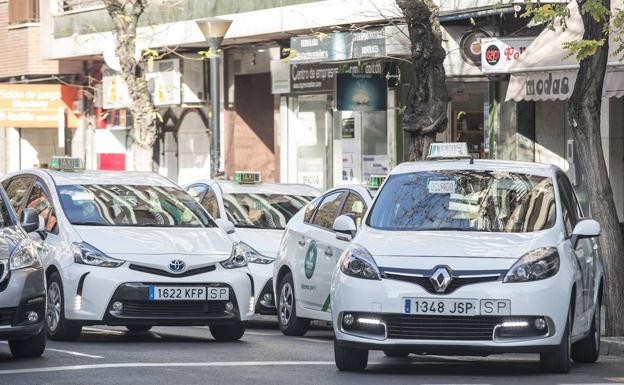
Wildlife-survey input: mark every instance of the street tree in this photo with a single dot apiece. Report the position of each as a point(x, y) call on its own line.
point(583, 114)
point(125, 15)
point(427, 99)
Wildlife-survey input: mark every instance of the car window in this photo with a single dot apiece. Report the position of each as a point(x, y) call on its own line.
point(131, 205)
point(261, 210)
point(209, 202)
point(465, 200)
point(196, 191)
point(310, 209)
point(328, 210)
point(569, 210)
point(5, 218)
point(40, 200)
point(17, 190)
point(355, 208)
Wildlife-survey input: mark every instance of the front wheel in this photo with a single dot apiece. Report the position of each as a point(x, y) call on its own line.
point(59, 328)
point(350, 359)
point(559, 361)
point(30, 347)
point(289, 323)
point(227, 332)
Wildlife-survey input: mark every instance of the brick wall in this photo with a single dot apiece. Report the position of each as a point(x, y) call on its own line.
point(21, 54)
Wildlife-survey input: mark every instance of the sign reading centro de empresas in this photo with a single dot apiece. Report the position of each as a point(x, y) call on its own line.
point(36, 105)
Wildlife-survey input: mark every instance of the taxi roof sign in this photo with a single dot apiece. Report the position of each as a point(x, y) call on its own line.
point(375, 181)
point(457, 150)
point(66, 163)
point(248, 177)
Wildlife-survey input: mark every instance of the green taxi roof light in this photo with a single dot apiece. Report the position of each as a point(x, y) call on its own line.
point(457, 150)
point(66, 163)
point(248, 177)
point(375, 181)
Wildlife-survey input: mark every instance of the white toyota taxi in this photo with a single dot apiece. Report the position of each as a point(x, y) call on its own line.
point(308, 255)
point(256, 213)
point(131, 249)
point(469, 257)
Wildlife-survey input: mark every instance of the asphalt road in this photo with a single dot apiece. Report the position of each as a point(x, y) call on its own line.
point(181, 356)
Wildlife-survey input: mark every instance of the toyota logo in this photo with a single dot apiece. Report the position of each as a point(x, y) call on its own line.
point(441, 279)
point(177, 266)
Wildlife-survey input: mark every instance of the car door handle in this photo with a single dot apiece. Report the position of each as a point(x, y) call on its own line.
point(301, 242)
point(329, 252)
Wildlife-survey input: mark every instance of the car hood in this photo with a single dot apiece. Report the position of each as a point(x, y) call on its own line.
point(454, 248)
point(138, 243)
point(263, 240)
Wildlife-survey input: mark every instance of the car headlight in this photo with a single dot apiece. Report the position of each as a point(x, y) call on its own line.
point(254, 256)
point(86, 254)
point(537, 264)
point(237, 259)
point(23, 256)
point(357, 262)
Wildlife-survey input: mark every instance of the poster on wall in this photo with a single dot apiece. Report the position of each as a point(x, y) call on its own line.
point(374, 165)
point(361, 92)
point(310, 172)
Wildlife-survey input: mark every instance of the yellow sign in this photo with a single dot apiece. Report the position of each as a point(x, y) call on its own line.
point(36, 105)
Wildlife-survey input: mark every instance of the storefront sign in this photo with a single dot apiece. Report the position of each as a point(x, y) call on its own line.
point(36, 105)
point(556, 84)
point(497, 54)
point(371, 43)
point(280, 77)
point(339, 46)
point(361, 92)
point(320, 77)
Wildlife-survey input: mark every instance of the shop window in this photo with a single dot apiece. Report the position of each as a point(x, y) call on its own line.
point(23, 11)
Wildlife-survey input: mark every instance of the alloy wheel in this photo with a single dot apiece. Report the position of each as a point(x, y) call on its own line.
point(287, 299)
point(53, 315)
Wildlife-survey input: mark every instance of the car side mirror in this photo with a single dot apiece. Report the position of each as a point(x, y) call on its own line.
point(345, 228)
point(29, 220)
point(586, 228)
point(225, 225)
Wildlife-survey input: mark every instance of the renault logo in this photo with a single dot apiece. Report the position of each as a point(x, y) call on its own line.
point(440, 279)
point(177, 266)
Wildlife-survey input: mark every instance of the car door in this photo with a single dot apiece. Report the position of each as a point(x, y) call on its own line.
point(319, 252)
point(578, 255)
point(47, 240)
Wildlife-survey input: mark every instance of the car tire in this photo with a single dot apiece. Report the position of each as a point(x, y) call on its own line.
point(30, 347)
point(138, 328)
point(59, 328)
point(350, 359)
point(587, 350)
point(396, 353)
point(287, 319)
point(560, 360)
point(224, 333)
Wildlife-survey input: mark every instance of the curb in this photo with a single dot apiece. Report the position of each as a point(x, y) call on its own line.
point(613, 347)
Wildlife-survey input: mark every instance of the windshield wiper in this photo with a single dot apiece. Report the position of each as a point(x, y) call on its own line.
point(457, 229)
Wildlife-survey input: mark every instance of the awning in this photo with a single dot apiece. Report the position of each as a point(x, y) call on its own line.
point(545, 72)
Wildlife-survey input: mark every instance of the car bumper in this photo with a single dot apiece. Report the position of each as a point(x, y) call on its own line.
point(25, 293)
point(91, 291)
point(383, 300)
point(263, 282)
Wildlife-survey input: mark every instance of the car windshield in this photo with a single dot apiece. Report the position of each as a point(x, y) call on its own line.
point(130, 205)
point(262, 211)
point(464, 200)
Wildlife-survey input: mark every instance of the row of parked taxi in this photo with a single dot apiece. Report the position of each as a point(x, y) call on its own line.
point(449, 256)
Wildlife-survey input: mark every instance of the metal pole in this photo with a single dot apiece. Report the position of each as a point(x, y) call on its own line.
point(215, 142)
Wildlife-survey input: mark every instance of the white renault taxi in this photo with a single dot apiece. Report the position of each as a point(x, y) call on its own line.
point(308, 255)
point(469, 257)
point(131, 249)
point(256, 213)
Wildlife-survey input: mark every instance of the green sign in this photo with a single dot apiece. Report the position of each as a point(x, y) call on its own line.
point(310, 260)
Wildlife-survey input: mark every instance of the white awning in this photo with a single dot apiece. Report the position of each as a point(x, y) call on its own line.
point(545, 71)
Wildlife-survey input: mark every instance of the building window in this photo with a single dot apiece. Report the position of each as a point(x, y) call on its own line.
point(78, 5)
point(23, 11)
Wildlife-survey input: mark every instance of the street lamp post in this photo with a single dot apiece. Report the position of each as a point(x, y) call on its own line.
point(214, 30)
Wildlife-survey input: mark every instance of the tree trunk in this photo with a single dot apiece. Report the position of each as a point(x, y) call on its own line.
point(427, 99)
point(125, 15)
point(584, 118)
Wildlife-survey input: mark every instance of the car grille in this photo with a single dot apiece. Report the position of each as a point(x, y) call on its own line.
point(441, 327)
point(175, 310)
point(164, 273)
point(456, 283)
point(6, 316)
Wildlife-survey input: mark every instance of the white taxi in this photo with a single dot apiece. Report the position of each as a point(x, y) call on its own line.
point(458, 256)
point(255, 214)
point(131, 249)
point(308, 255)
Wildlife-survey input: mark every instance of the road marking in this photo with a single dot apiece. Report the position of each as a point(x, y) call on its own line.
point(262, 334)
point(165, 365)
point(104, 331)
point(66, 352)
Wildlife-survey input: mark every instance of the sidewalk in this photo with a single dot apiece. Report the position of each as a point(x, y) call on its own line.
point(612, 346)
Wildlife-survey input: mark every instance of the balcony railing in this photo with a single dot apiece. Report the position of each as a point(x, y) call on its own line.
point(65, 6)
point(23, 11)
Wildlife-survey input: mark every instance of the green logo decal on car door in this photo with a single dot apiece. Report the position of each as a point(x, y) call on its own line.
point(310, 260)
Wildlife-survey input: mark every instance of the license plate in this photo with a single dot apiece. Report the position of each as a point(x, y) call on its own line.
point(456, 307)
point(186, 293)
